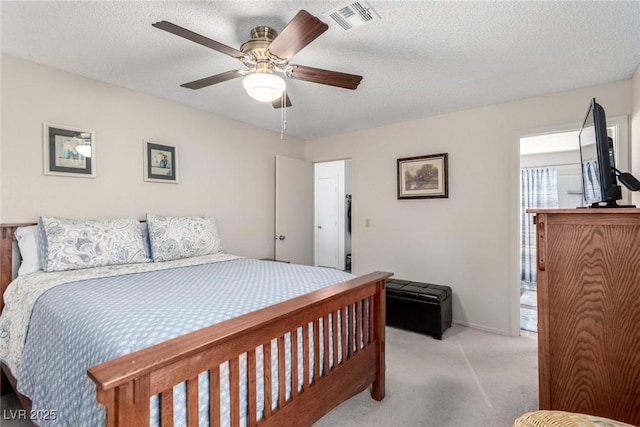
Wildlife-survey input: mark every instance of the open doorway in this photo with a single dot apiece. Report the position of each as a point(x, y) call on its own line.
point(332, 214)
point(550, 177)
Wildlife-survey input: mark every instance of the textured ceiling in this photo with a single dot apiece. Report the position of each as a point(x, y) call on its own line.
point(422, 58)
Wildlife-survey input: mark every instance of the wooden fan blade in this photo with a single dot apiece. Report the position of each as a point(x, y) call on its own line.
point(195, 37)
point(325, 77)
point(278, 102)
point(299, 32)
point(218, 78)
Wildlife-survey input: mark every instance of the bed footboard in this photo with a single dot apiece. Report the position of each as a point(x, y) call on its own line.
point(357, 307)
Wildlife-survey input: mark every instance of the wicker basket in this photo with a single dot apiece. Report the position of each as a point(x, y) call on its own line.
point(564, 419)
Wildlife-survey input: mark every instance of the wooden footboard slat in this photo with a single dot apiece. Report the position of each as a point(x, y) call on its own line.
point(316, 350)
point(351, 312)
point(352, 330)
point(334, 338)
point(234, 391)
point(251, 380)
point(349, 330)
point(367, 323)
point(325, 344)
point(192, 402)
point(343, 332)
point(267, 378)
point(358, 327)
point(373, 319)
point(294, 363)
point(214, 396)
point(282, 385)
point(305, 356)
point(166, 408)
point(359, 312)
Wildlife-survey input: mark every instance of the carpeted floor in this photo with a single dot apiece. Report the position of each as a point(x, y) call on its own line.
point(469, 379)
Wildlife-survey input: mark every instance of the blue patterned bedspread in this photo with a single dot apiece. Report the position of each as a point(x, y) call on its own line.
point(81, 324)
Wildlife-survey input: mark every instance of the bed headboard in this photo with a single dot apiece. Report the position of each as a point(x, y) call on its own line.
point(7, 243)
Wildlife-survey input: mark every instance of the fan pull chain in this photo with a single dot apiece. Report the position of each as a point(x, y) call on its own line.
point(283, 114)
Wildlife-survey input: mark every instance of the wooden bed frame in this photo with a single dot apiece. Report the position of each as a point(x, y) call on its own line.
point(125, 385)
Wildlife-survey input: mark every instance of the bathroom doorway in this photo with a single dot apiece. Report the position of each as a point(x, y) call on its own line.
point(332, 214)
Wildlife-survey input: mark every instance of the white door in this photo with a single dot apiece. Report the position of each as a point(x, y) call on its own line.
point(294, 211)
point(327, 217)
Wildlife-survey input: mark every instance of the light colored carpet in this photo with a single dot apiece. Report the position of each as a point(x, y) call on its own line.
point(469, 379)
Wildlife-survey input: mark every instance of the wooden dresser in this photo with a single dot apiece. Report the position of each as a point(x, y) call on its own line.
point(589, 311)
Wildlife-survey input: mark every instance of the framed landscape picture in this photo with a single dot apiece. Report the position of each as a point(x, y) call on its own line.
point(423, 177)
point(69, 151)
point(160, 163)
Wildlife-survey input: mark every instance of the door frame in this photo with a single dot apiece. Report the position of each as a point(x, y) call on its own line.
point(341, 208)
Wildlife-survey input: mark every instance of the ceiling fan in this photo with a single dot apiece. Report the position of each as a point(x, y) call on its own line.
point(266, 54)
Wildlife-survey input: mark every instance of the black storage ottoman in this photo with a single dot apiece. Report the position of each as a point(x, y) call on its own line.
point(419, 307)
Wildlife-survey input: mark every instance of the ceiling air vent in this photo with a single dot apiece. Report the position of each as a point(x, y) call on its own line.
point(352, 15)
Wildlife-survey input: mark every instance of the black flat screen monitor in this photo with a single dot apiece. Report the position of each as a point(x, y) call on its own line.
point(600, 186)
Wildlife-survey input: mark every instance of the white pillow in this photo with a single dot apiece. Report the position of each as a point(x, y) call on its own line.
point(175, 237)
point(75, 243)
point(27, 238)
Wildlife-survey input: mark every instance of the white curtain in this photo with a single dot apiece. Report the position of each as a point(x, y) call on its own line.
point(591, 180)
point(538, 189)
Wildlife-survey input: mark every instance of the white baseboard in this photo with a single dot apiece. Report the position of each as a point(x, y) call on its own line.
point(482, 327)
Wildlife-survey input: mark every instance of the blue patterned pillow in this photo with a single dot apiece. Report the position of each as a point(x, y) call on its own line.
point(72, 244)
point(174, 237)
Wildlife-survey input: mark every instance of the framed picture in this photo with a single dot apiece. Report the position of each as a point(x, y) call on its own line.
point(160, 163)
point(423, 177)
point(69, 151)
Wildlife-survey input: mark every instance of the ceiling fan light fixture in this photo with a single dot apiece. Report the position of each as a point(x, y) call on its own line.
point(264, 87)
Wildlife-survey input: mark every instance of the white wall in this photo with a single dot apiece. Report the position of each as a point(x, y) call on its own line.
point(468, 241)
point(226, 168)
point(635, 132)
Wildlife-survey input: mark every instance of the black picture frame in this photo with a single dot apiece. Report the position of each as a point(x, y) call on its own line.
point(63, 151)
point(423, 177)
point(160, 163)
